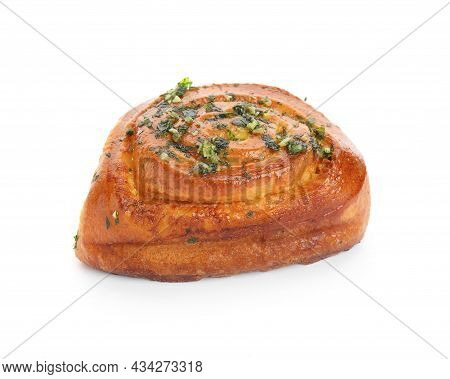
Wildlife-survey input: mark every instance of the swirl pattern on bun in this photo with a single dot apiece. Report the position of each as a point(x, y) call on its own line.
point(221, 179)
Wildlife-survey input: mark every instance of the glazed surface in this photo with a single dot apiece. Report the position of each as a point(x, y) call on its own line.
point(225, 179)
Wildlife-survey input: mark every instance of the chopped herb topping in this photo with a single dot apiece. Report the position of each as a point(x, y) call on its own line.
point(255, 127)
point(314, 144)
point(322, 151)
point(203, 168)
point(107, 222)
point(250, 119)
point(253, 124)
point(270, 143)
point(225, 115)
point(177, 133)
point(164, 153)
point(130, 132)
point(295, 147)
point(319, 132)
point(145, 121)
point(189, 112)
point(327, 152)
point(75, 237)
point(250, 214)
point(240, 134)
point(183, 148)
point(210, 148)
point(192, 240)
point(239, 109)
point(173, 115)
point(221, 143)
point(164, 126)
point(211, 107)
point(284, 141)
point(231, 136)
point(310, 122)
point(241, 122)
point(265, 101)
point(161, 108)
point(108, 154)
point(220, 115)
point(247, 118)
point(175, 95)
point(220, 126)
point(294, 144)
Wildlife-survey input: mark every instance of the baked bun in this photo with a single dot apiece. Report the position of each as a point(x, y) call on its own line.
point(222, 179)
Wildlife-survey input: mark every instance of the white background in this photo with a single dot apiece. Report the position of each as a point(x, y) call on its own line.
point(299, 321)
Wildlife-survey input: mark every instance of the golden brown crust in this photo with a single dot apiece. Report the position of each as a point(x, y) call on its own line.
point(150, 214)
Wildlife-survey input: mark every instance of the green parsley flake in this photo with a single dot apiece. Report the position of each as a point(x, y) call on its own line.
point(211, 107)
point(164, 126)
point(192, 240)
point(319, 132)
point(189, 112)
point(270, 143)
point(253, 124)
point(285, 141)
point(295, 147)
point(310, 122)
point(265, 101)
point(208, 150)
point(203, 168)
point(221, 143)
point(176, 135)
point(326, 152)
point(179, 146)
point(240, 122)
point(231, 136)
point(175, 95)
point(145, 121)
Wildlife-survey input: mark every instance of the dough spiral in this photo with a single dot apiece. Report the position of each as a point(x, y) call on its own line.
point(222, 179)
